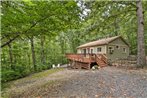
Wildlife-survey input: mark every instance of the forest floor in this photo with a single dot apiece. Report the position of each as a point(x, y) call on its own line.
point(75, 83)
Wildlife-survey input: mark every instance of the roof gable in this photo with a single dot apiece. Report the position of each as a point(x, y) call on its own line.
point(122, 39)
point(103, 41)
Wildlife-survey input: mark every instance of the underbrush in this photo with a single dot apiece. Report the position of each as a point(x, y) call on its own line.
point(46, 73)
point(9, 74)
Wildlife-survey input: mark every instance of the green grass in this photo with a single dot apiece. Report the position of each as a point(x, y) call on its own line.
point(46, 73)
point(33, 76)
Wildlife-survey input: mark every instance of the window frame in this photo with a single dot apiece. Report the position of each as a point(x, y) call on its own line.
point(111, 49)
point(124, 50)
point(99, 49)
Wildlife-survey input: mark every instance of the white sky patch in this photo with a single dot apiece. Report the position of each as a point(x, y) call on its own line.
point(85, 11)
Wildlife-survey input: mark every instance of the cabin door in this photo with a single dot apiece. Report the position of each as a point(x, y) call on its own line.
point(91, 51)
point(84, 52)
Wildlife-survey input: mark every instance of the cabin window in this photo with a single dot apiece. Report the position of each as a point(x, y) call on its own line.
point(111, 50)
point(124, 50)
point(99, 49)
point(117, 47)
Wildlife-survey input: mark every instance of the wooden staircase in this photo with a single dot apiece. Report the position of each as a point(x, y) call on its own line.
point(101, 60)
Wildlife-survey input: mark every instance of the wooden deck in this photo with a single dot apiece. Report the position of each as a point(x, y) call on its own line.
point(85, 60)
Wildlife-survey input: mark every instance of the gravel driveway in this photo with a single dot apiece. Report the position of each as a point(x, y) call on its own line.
point(105, 83)
point(108, 82)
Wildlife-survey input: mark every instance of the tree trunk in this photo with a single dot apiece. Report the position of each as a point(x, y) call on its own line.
point(42, 50)
point(116, 26)
point(141, 61)
point(62, 52)
point(33, 53)
point(73, 47)
point(10, 56)
point(3, 56)
point(28, 56)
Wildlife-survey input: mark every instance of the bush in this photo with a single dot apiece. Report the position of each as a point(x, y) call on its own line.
point(8, 75)
point(23, 70)
point(18, 72)
point(41, 67)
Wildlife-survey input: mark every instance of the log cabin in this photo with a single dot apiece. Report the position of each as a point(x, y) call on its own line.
point(99, 52)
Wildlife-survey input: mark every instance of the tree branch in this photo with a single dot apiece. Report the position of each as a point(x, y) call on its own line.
point(8, 42)
point(11, 40)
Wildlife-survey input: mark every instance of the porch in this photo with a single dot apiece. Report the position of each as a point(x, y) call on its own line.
point(86, 61)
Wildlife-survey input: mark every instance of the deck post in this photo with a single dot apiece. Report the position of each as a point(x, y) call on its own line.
point(80, 67)
point(89, 65)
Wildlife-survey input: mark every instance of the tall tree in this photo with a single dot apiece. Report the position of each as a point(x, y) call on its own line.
point(141, 60)
point(11, 56)
point(42, 40)
point(33, 52)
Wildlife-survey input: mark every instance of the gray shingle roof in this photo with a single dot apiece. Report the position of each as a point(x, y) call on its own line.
point(99, 42)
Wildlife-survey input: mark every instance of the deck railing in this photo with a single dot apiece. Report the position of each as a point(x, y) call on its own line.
point(104, 58)
point(86, 57)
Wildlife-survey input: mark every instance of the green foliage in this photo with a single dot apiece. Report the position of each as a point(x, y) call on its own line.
point(19, 72)
point(46, 73)
point(58, 27)
point(35, 19)
point(8, 75)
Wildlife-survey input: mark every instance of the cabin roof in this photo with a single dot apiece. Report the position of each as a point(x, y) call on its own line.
point(100, 42)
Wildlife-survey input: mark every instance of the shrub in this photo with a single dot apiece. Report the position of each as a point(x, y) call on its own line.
point(8, 75)
point(18, 72)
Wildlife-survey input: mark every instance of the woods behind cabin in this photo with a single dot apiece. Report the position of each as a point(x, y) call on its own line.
point(37, 34)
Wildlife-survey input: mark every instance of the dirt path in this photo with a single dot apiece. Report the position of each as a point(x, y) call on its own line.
point(104, 83)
